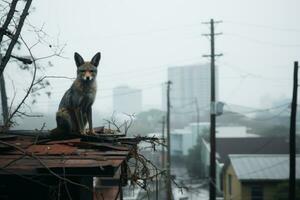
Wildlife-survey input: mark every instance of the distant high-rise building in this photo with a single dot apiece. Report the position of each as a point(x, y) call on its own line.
point(127, 100)
point(189, 82)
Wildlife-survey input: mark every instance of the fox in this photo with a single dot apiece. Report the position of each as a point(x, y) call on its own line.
point(75, 108)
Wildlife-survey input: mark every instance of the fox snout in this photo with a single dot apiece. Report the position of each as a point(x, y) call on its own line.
point(86, 73)
point(87, 76)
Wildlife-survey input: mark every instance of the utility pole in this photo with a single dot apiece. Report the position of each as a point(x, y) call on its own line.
point(3, 97)
point(292, 181)
point(198, 116)
point(212, 171)
point(163, 154)
point(163, 157)
point(168, 181)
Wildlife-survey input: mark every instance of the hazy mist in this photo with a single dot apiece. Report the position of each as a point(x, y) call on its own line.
point(140, 39)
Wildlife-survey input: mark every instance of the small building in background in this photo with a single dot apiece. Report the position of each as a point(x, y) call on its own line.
point(250, 177)
point(233, 132)
point(127, 100)
point(184, 139)
point(181, 141)
point(226, 145)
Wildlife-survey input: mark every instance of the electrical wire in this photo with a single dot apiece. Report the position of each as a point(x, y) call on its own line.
point(256, 110)
point(263, 26)
point(261, 41)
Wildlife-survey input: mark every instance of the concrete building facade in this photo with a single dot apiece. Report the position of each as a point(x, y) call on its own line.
point(190, 84)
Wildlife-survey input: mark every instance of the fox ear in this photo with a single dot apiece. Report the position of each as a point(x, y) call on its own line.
point(78, 59)
point(95, 60)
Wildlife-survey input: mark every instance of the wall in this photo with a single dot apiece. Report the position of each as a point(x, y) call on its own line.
point(181, 141)
point(268, 190)
point(188, 83)
point(205, 163)
point(236, 185)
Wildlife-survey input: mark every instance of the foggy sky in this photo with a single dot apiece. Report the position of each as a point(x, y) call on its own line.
point(140, 39)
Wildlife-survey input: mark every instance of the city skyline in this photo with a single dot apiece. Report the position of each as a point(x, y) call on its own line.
point(137, 46)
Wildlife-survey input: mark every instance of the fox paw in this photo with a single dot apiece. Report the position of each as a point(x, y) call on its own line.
point(83, 132)
point(91, 132)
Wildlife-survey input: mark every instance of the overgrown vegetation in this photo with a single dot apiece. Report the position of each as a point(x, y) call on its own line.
point(193, 161)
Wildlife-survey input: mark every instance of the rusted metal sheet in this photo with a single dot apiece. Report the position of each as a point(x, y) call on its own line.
point(32, 164)
point(103, 146)
point(53, 149)
point(71, 141)
point(61, 154)
point(77, 158)
point(103, 153)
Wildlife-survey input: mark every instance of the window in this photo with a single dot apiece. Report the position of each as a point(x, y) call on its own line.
point(257, 192)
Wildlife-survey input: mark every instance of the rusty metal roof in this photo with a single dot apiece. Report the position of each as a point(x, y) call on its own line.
point(92, 155)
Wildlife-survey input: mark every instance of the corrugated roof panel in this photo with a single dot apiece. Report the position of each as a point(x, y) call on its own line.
point(53, 149)
point(262, 167)
point(70, 153)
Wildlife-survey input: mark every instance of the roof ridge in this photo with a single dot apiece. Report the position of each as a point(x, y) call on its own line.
point(261, 155)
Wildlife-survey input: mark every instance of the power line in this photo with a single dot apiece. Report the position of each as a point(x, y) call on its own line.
point(164, 65)
point(247, 74)
point(107, 96)
point(263, 119)
point(257, 110)
point(263, 26)
point(261, 41)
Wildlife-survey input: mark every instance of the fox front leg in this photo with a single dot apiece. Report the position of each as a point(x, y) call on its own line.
point(90, 120)
point(79, 119)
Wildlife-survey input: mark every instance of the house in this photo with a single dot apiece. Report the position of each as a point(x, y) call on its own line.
point(239, 145)
point(256, 177)
point(184, 139)
point(181, 141)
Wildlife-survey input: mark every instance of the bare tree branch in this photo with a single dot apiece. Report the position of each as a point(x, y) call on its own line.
point(28, 115)
point(57, 52)
point(15, 37)
point(9, 16)
point(45, 77)
point(30, 87)
point(22, 59)
point(128, 123)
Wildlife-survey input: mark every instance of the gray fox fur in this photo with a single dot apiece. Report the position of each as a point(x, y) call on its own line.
point(75, 108)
